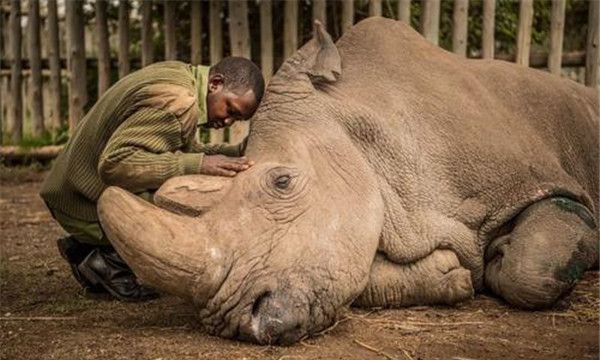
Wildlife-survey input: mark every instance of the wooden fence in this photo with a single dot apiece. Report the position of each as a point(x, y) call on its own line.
point(65, 31)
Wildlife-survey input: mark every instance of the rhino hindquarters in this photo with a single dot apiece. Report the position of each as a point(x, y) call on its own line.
point(436, 279)
point(551, 244)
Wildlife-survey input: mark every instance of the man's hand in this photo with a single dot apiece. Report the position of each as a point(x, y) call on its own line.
point(221, 165)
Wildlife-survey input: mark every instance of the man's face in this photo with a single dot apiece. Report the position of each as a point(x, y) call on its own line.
point(224, 107)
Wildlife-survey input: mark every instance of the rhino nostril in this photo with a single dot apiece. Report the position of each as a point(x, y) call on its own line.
point(259, 300)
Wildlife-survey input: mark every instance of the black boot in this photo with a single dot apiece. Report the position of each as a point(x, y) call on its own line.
point(74, 252)
point(103, 267)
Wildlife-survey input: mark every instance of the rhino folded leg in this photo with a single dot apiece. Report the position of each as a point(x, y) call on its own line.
point(552, 243)
point(435, 279)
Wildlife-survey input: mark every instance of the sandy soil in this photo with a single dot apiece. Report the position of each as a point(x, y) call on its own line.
point(44, 315)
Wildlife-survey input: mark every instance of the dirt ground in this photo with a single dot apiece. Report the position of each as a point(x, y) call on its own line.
point(44, 315)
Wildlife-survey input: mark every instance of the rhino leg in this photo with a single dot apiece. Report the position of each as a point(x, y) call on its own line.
point(435, 279)
point(550, 246)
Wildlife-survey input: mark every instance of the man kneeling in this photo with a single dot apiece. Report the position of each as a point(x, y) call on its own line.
point(139, 134)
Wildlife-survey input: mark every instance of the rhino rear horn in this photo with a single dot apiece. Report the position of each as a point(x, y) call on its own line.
point(327, 64)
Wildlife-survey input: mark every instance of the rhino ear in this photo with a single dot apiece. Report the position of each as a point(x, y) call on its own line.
point(326, 65)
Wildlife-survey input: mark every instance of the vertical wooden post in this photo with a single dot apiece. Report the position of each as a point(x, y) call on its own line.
point(593, 46)
point(347, 14)
point(196, 29)
point(430, 20)
point(290, 28)
point(170, 15)
point(35, 63)
point(216, 53)
point(266, 38)
point(147, 44)
point(55, 119)
point(404, 11)
point(374, 7)
point(557, 27)
point(320, 12)
point(524, 32)
point(103, 47)
point(76, 60)
point(460, 20)
point(239, 35)
point(124, 66)
point(16, 77)
point(487, 41)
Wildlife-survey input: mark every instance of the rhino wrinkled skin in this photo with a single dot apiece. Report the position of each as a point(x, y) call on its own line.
point(388, 172)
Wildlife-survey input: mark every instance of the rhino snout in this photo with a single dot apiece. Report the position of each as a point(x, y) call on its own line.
point(276, 319)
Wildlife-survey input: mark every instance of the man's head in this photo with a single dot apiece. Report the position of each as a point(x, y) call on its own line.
point(235, 88)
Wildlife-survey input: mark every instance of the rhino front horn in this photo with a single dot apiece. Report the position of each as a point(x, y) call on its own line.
point(174, 253)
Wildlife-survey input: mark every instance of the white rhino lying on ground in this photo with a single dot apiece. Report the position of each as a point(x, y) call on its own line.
point(388, 172)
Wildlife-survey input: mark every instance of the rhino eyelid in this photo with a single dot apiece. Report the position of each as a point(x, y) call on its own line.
point(282, 182)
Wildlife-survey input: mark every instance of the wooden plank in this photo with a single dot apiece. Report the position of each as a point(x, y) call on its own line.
point(170, 16)
point(17, 154)
point(524, 32)
point(16, 79)
point(557, 27)
point(487, 41)
point(103, 47)
point(430, 20)
point(347, 14)
point(217, 136)
point(290, 28)
point(460, 18)
point(37, 103)
point(593, 46)
point(196, 35)
point(266, 38)
point(404, 11)
point(54, 117)
point(239, 35)
point(124, 65)
point(78, 96)
point(374, 7)
point(320, 11)
point(147, 43)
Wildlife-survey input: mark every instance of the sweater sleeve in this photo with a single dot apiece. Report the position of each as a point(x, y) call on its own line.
point(144, 152)
point(236, 150)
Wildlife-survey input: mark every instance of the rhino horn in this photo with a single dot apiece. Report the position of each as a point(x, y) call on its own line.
point(171, 252)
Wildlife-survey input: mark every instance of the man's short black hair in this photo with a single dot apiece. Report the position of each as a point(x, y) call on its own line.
point(240, 74)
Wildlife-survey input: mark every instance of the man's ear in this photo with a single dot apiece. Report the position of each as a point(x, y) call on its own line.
point(326, 66)
point(215, 82)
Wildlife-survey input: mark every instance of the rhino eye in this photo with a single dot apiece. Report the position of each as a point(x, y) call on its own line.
point(282, 182)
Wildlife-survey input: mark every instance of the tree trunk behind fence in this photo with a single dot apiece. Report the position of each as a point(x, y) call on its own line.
point(320, 11)
point(557, 27)
point(266, 38)
point(103, 47)
point(374, 7)
point(347, 14)
point(196, 36)
point(487, 41)
point(593, 46)
point(16, 128)
point(404, 11)
point(239, 35)
point(55, 119)
point(124, 66)
point(460, 20)
point(216, 53)
point(78, 96)
point(430, 20)
point(35, 64)
point(290, 28)
point(147, 43)
point(170, 34)
point(524, 32)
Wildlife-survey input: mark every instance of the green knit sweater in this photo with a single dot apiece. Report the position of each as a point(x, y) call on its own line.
point(140, 133)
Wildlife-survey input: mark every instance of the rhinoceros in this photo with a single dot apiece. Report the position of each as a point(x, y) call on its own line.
point(388, 172)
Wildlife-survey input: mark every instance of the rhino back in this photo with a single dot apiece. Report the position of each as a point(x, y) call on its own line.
point(456, 135)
